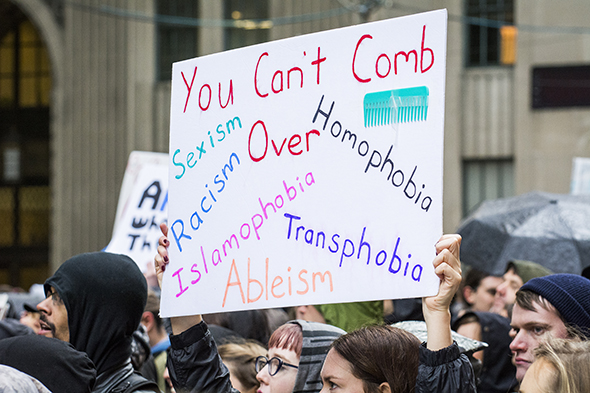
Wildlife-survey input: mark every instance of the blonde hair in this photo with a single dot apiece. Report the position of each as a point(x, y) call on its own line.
point(570, 359)
point(240, 357)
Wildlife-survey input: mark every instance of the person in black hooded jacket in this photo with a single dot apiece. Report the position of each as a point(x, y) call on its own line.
point(95, 302)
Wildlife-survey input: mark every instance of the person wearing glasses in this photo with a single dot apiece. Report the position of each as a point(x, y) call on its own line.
point(296, 353)
point(299, 349)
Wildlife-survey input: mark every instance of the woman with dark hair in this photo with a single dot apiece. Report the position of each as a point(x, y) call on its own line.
point(371, 358)
point(379, 359)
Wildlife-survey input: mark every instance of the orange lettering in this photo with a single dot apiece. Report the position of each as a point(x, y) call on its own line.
point(274, 285)
point(322, 277)
point(231, 284)
point(303, 280)
point(251, 281)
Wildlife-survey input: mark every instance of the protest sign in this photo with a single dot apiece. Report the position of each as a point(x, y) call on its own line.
point(308, 170)
point(142, 207)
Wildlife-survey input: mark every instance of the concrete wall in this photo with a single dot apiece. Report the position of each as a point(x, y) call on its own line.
point(546, 140)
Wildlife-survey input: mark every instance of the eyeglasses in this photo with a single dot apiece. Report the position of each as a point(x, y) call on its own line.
point(274, 364)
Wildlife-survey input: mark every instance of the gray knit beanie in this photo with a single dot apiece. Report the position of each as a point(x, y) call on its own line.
point(569, 294)
point(317, 338)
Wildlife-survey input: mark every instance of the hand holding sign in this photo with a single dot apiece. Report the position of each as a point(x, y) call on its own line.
point(447, 267)
point(161, 259)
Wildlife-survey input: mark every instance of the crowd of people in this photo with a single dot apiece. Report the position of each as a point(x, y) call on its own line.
point(98, 329)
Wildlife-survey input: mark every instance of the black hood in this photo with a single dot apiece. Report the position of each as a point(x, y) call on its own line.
point(105, 295)
point(56, 364)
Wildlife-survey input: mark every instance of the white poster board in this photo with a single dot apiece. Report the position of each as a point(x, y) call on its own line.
point(291, 182)
point(143, 204)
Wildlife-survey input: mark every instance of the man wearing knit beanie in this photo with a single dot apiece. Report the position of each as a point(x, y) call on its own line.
point(555, 306)
point(518, 272)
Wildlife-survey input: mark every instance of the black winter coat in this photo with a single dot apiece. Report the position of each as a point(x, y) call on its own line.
point(196, 367)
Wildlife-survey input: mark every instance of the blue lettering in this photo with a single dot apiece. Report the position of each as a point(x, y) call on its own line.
point(335, 243)
point(182, 234)
point(178, 164)
point(290, 217)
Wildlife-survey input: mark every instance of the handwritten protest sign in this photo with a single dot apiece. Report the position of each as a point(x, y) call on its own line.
point(142, 207)
point(308, 170)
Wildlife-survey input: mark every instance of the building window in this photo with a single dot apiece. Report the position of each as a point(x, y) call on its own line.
point(250, 22)
point(486, 179)
point(25, 196)
point(176, 40)
point(486, 35)
point(561, 87)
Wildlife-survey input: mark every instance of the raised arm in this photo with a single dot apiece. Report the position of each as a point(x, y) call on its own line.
point(442, 366)
point(193, 362)
point(437, 314)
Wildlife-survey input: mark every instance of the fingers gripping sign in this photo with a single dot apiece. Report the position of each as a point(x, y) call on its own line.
point(161, 259)
point(447, 266)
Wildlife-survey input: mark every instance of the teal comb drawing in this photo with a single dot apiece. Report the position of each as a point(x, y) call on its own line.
point(396, 106)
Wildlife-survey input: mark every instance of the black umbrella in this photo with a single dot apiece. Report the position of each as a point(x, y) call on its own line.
point(550, 229)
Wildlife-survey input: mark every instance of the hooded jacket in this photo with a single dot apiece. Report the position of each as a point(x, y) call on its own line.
point(56, 364)
point(104, 295)
point(317, 338)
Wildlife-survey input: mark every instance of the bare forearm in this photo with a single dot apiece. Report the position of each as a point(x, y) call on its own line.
point(181, 324)
point(438, 328)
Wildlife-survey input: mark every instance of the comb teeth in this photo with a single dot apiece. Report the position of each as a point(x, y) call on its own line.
point(396, 106)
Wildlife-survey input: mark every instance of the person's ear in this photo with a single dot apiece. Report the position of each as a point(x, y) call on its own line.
point(147, 319)
point(468, 294)
point(384, 388)
point(300, 312)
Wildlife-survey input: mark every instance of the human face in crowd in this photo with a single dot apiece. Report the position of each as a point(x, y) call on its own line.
point(31, 319)
point(337, 375)
point(529, 330)
point(235, 381)
point(482, 299)
point(539, 378)
point(284, 380)
point(506, 292)
point(54, 317)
